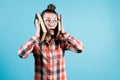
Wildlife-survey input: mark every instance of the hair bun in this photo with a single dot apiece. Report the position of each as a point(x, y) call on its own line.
point(51, 7)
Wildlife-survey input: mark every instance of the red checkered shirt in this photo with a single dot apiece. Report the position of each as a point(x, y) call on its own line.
point(49, 56)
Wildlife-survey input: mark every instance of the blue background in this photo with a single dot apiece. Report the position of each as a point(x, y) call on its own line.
point(95, 22)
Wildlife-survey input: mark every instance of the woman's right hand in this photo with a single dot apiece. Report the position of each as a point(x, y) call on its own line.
point(37, 25)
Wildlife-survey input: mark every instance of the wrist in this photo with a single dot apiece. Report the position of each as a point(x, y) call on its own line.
point(66, 35)
point(35, 39)
point(37, 35)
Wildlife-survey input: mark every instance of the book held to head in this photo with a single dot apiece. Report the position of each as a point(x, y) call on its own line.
point(59, 25)
point(43, 30)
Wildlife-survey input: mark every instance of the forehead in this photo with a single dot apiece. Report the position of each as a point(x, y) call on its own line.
point(50, 15)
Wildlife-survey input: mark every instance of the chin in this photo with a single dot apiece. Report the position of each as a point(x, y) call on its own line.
point(51, 34)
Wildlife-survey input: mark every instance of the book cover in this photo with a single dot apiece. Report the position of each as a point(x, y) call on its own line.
point(43, 30)
point(59, 25)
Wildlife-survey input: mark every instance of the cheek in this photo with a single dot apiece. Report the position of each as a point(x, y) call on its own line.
point(55, 25)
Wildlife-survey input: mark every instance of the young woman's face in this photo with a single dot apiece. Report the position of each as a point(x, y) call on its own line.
point(50, 20)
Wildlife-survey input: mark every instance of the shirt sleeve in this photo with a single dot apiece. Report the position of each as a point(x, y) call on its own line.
point(73, 44)
point(27, 48)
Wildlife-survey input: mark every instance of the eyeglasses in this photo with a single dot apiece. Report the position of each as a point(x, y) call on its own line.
point(48, 21)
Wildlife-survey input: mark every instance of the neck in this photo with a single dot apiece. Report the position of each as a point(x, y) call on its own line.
point(48, 37)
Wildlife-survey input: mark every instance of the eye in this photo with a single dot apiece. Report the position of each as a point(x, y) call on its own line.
point(54, 21)
point(47, 21)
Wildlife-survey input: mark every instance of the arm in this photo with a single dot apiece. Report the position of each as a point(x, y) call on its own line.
point(72, 44)
point(27, 48)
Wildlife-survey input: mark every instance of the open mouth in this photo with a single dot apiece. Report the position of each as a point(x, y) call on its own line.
point(51, 29)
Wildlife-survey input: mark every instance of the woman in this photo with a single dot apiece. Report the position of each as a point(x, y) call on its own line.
point(49, 54)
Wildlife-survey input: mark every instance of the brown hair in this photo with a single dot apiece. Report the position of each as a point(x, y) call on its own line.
point(50, 9)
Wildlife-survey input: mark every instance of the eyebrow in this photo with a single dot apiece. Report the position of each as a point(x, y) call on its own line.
point(50, 18)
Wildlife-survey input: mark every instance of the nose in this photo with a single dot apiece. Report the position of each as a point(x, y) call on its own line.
point(52, 24)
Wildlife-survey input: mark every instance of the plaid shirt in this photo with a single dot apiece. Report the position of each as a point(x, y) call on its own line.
point(49, 56)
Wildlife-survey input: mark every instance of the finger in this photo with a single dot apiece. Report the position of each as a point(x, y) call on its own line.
point(36, 21)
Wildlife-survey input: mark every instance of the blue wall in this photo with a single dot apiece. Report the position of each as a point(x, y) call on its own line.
point(95, 22)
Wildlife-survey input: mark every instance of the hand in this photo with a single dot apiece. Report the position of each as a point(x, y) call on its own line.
point(37, 24)
point(62, 30)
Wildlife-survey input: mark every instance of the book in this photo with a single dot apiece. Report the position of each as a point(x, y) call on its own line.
point(59, 25)
point(43, 30)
